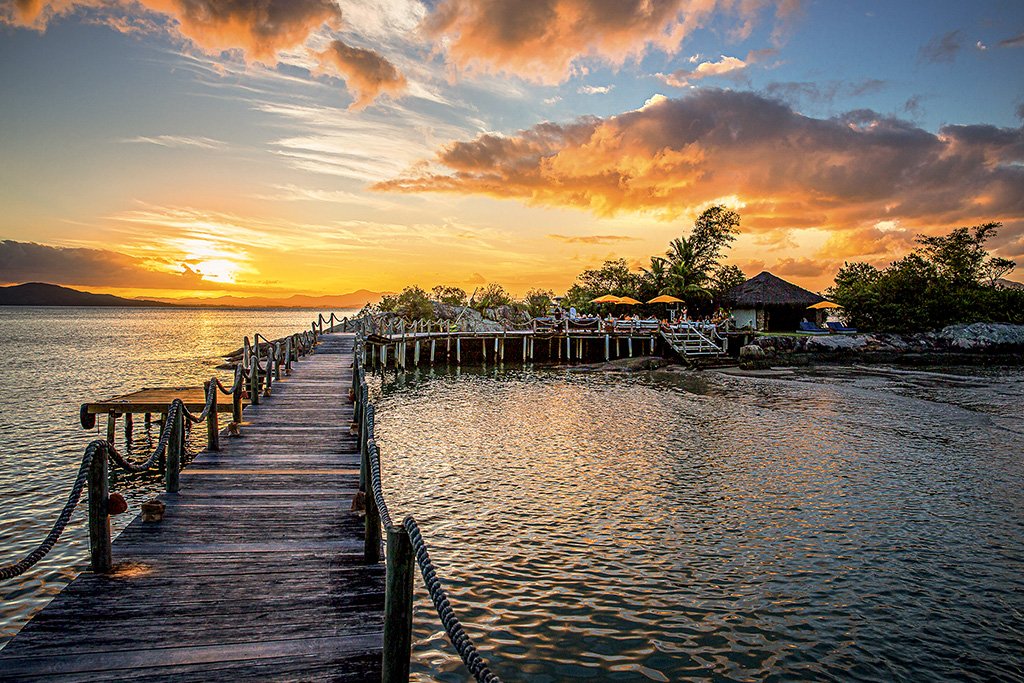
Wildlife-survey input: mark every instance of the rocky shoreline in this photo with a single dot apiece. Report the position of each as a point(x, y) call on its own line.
point(974, 344)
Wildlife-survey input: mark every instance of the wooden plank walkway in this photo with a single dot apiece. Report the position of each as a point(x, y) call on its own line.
point(255, 572)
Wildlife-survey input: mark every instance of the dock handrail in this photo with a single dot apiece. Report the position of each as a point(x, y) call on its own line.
point(170, 449)
point(405, 543)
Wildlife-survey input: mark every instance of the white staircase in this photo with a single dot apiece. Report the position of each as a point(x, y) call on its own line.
point(690, 341)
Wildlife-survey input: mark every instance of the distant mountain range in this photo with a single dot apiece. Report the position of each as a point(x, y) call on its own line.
point(356, 299)
point(42, 294)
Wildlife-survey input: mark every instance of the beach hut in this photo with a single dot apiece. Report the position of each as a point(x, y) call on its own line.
point(768, 303)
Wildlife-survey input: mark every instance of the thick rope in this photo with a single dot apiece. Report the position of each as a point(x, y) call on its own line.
point(373, 455)
point(18, 568)
point(452, 626)
point(304, 343)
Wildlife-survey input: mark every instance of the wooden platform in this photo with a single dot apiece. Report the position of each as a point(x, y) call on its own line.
point(156, 400)
point(256, 571)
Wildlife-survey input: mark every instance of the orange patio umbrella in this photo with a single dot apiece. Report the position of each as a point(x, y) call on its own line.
point(665, 299)
point(606, 299)
point(628, 300)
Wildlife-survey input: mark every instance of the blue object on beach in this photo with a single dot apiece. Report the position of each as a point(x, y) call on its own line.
point(841, 328)
point(808, 327)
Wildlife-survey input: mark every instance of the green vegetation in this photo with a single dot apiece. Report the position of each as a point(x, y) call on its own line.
point(412, 304)
point(491, 296)
point(949, 279)
point(450, 296)
point(691, 269)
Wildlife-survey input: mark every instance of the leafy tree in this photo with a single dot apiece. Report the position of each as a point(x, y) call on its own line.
point(411, 304)
point(693, 261)
point(613, 277)
point(948, 279)
point(538, 301)
point(451, 296)
point(491, 296)
point(726, 277)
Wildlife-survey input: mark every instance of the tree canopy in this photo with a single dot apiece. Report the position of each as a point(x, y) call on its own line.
point(948, 279)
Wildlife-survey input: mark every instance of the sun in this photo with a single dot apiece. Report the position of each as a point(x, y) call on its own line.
point(217, 270)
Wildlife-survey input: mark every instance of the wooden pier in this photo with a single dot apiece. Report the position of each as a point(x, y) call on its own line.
point(427, 344)
point(256, 571)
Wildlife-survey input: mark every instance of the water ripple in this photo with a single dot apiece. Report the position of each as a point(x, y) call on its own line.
point(835, 526)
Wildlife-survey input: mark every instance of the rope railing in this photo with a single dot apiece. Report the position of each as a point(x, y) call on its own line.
point(169, 453)
point(405, 545)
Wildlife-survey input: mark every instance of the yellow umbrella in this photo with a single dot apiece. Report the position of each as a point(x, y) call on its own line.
point(628, 300)
point(665, 299)
point(824, 304)
point(606, 299)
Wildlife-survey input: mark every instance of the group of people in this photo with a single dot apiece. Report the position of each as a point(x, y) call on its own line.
point(681, 317)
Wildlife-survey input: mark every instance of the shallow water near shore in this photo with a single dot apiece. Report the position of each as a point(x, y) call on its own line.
point(831, 524)
point(838, 524)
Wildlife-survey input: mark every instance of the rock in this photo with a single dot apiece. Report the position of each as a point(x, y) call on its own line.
point(753, 357)
point(751, 352)
point(983, 336)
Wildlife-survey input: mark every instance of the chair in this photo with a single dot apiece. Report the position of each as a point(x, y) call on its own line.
point(840, 328)
point(807, 327)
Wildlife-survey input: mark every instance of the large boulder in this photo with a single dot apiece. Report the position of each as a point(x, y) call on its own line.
point(753, 357)
point(983, 336)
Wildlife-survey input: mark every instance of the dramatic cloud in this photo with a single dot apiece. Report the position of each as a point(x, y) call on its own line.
point(785, 170)
point(31, 262)
point(942, 48)
point(260, 28)
point(366, 73)
point(542, 40)
point(592, 239)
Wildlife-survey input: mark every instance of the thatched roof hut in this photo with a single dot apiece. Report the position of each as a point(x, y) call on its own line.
point(768, 303)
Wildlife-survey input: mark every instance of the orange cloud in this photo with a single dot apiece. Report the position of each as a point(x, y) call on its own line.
point(541, 40)
point(786, 169)
point(365, 72)
point(259, 28)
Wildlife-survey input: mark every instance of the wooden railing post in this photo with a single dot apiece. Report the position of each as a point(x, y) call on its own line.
point(236, 399)
point(175, 450)
point(398, 607)
point(99, 520)
point(212, 426)
point(254, 381)
point(277, 361)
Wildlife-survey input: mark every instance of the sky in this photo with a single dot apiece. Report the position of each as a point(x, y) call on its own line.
point(271, 147)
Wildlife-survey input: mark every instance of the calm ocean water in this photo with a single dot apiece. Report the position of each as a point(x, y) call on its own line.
point(839, 524)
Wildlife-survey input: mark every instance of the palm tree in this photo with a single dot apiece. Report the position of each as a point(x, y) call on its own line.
point(684, 278)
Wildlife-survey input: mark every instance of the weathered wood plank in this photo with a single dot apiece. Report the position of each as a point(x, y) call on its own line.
point(256, 571)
